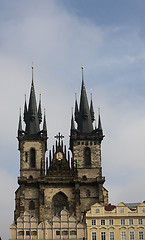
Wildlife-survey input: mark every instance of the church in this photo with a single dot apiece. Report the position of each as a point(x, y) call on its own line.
point(68, 179)
point(63, 196)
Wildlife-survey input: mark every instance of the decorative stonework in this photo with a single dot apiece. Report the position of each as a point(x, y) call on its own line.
point(63, 227)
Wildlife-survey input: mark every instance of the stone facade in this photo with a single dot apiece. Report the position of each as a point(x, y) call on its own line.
point(63, 227)
point(68, 178)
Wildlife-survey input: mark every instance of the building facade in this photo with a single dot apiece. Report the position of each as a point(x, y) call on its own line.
point(69, 178)
point(121, 222)
point(63, 227)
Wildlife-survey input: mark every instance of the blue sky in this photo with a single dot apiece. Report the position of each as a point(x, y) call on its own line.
point(108, 38)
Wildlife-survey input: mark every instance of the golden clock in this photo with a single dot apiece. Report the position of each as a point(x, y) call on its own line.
point(59, 156)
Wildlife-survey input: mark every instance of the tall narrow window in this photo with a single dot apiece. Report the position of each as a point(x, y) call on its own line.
point(32, 158)
point(111, 236)
point(131, 235)
point(87, 156)
point(94, 235)
point(140, 221)
point(140, 235)
point(93, 222)
point(26, 156)
point(130, 221)
point(111, 222)
point(103, 235)
point(122, 221)
point(123, 235)
point(31, 205)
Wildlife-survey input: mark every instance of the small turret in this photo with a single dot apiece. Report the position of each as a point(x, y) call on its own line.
point(25, 110)
point(100, 130)
point(76, 109)
point(20, 125)
point(44, 124)
point(72, 124)
point(92, 110)
point(39, 111)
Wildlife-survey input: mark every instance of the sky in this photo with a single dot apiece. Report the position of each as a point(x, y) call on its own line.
point(59, 36)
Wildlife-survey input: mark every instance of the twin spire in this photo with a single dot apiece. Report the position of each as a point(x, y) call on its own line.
point(32, 116)
point(84, 115)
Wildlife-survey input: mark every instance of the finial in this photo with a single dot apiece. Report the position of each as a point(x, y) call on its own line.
point(72, 110)
point(32, 66)
point(91, 93)
point(75, 94)
point(83, 77)
point(99, 110)
point(32, 73)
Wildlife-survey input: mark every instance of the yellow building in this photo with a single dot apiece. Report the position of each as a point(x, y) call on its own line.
point(63, 227)
point(121, 222)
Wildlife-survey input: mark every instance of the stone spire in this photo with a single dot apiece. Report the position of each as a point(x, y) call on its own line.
point(100, 130)
point(84, 116)
point(40, 111)
point(31, 115)
point(20, 124)
point(76, 108)
point(44, 124)
point(25, 110)
point(72, 123)
point(92, 109)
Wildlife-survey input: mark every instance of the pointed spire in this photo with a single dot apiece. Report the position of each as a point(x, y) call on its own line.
point(85, 121)
point(40, 111)
point(20, 124)
point(72, 122)
point(44, 123)
point(76, 108)
point(32, 120)
point(92, 109)
point(100, 130)
point(25, 110)
point(32, 73)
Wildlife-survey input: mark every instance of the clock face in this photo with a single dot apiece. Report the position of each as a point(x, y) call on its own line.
point(59, 156)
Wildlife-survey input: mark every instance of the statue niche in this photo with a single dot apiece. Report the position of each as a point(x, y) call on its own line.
point(59, 202)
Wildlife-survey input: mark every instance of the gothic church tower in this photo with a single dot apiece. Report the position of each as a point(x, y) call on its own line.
point(32, 147)
point(85, 144)
point(70, 179)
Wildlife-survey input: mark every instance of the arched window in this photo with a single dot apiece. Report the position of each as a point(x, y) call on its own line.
point(31, 205)
point(32, 158)
point(87, 156)
point(59, 202)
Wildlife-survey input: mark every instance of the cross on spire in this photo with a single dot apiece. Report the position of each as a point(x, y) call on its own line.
point(59, 137)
